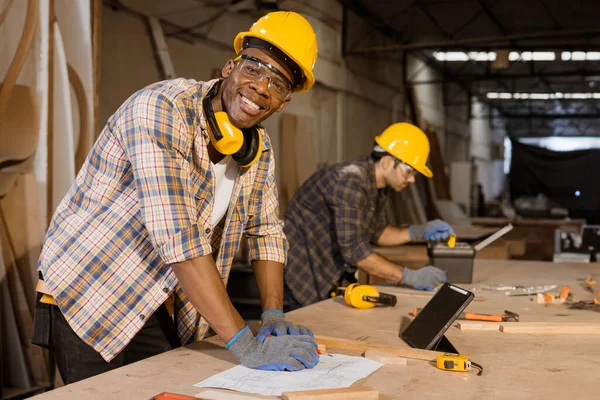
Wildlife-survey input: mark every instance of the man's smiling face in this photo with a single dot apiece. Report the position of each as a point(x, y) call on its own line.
point(249, 102)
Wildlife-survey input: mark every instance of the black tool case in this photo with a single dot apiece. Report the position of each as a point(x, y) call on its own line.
point(456, 262)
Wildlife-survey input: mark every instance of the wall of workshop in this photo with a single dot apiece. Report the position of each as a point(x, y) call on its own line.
point(463, 127)
point(457, 132)
point(354, 99)
point(347, 107)
point(33, 74)
point(450, 121)
point(485, 148)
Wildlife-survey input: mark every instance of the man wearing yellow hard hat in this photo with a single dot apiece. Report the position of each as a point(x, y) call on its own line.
point(338, 213)
point(179, 173)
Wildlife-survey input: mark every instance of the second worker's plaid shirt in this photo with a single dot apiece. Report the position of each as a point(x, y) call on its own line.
point(142, 201)
point(330, 224)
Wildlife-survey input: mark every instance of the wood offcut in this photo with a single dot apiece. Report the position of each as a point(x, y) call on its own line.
point(357, 345)
point(359, 393)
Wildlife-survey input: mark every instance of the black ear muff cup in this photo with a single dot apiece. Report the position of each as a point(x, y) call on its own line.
point(252, 145)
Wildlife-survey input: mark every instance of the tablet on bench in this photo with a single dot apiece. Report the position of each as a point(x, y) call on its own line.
point(426, 330)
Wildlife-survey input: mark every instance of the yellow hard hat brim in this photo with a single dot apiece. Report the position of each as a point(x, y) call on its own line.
point(425, 171)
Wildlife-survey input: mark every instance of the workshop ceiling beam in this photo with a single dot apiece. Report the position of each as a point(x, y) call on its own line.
point(550, 116)
point(528, 75)
point(487, 40)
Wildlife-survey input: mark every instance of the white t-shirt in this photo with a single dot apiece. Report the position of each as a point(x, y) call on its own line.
point(226, 172)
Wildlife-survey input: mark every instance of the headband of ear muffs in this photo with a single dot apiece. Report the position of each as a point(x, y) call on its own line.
point(244, 145)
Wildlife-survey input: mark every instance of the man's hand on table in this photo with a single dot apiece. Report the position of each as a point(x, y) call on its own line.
point(274, 323)
point(426, 278)
point(274, 353)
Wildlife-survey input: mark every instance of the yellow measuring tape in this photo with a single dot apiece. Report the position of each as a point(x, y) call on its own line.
point(457, 363)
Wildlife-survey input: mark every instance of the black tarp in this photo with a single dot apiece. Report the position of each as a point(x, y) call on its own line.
point(570, 178)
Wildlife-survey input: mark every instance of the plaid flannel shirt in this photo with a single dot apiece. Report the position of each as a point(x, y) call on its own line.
point(331, 222)
point(142, 201)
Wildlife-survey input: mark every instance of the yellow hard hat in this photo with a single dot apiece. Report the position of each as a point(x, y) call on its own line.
point(408, 143)
point(291, 33)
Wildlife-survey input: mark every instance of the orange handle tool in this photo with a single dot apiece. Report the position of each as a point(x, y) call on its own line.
point(481, 317)
point(564, 292)
point(470, 316)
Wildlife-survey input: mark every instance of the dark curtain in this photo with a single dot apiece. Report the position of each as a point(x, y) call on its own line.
point(570, 178)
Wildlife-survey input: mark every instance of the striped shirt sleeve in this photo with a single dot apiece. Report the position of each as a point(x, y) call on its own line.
point(153, 135)
point(380, 225)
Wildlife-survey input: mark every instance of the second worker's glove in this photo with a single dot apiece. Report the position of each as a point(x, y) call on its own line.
point(274, 323)
point(426, 278)
point(430, 231)
point(275, 353)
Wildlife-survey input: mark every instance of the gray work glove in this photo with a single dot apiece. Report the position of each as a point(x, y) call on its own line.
point(274, 323)
point(430, 231)
point(275, 353)
point(425, 278)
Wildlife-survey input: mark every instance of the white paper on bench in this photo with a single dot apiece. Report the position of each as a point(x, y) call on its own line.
point(337, 371)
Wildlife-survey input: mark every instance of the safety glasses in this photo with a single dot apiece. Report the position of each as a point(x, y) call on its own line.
point(257, 70)
point(407, 170)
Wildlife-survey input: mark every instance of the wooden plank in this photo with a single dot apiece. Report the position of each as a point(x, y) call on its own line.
point(403, 253)
point(14, 361)
point(493, 221)
point(472, 232)
point(50, 115)
point(20, 217)
point(84, 145)
point(440, 179)
point(161, 48)
point(96, 16)
point(478, 326)
point(551, 327)
point(16, 65)
point(349, 344)
point(20, 129)
point(23, 238)
point(516, 247)
point(223, 394)
point(495, 251)
point(4, 11)
point(288, 181)
point(384, 358)
point(417, 204)
point(359, 393)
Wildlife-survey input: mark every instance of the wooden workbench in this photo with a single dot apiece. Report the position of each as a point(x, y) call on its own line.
point(516, 366)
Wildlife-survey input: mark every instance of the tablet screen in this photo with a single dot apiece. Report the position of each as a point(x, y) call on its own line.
point(438, 314)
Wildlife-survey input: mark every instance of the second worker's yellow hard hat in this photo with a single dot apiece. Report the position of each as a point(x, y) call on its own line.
point(407, 143)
